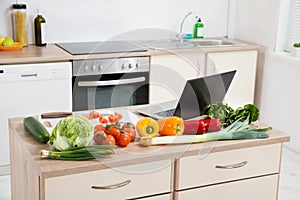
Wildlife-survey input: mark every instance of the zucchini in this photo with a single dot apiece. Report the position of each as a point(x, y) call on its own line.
point(36, 129)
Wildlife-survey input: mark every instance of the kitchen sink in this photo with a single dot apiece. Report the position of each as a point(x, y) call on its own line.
point(165, 44)
point(168, 44)
point(213, 42)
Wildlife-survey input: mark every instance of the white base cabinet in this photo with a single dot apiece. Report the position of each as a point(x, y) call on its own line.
point(263, 188)
point(127, 182)
point(242, 88)
point(168, 74)
point(249, 173)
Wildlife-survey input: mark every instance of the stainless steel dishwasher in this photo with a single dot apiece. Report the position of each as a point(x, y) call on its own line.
point(29, 89)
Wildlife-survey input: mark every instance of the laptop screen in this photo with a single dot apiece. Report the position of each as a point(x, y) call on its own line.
point(200, 92)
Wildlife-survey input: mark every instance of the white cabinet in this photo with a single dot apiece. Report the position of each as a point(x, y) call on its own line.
point(169, 72)
point(242, 88)
point(263, 188)
point(127, 182)
point(230, 175)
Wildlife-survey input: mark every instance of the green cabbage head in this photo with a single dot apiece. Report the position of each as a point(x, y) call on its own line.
point(72, 131)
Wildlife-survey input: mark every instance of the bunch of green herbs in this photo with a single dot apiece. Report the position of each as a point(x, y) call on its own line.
point(228, 115)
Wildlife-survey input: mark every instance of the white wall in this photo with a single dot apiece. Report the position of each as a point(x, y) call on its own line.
point(94, 20)
point(277, 89)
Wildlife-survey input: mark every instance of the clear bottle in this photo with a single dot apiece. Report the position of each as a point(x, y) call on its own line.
point(198, 29)
point(20, 23)
point(40, 30)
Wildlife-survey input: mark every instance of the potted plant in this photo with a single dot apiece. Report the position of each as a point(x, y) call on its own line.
point(295, 51)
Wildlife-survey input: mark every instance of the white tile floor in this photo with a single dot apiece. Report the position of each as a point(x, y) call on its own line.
point(289, 187)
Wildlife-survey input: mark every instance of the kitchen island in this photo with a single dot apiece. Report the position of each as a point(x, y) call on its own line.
point(210, 170)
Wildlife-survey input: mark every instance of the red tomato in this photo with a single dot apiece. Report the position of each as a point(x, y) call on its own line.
point(99, 137)
point(113, 131)
point(118, 116)
point(123, 139)
point(94, 114)
point(99, 127)
point(128, 125)
point(116, 125)
point(102, 119)
point(131, 132)
point(112, 118)
point(103, 139)
point(110, 140)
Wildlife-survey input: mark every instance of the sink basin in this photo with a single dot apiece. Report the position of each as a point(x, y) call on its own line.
point(165, 44)
point(190, 43)
point(213, 42)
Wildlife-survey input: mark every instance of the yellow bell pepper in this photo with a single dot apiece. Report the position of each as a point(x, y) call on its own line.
point(171, 126)
point(147, 127)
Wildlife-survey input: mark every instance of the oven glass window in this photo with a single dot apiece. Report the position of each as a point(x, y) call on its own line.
point(111, 96)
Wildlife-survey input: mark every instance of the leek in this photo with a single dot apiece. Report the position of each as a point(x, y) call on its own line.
point(80, 153)
point(236, 131)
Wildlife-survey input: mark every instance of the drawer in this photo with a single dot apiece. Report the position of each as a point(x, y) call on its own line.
point(194, 171)
point(262, 188)
point(114, 183)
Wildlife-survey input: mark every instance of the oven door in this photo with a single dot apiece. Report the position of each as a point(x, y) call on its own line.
point(110, 90)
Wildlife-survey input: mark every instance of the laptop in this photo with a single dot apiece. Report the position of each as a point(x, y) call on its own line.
point(196, 95)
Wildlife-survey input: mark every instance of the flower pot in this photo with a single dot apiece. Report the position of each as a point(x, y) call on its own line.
point(295, 51)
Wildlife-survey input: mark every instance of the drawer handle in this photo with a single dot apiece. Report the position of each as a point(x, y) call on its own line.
point(114, 186)
point(238, 165)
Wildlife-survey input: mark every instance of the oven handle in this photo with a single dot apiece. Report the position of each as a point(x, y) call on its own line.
point(110, 82)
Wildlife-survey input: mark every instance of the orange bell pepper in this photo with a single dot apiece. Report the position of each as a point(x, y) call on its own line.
point(171, 126)
point(147, 127)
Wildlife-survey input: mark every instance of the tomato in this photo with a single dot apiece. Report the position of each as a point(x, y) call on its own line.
point(128, 125)
point(99, 137)
point(131, 132)
point(102, 138)
point(102, 119)
point(118, 116)
point(123, 139)
point(113, 131)
point(116, 125)
point(94, 114)
point(110, 140)
point(112, 118)
point(99, 127)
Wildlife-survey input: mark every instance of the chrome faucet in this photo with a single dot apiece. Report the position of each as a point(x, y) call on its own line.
point(181, 34)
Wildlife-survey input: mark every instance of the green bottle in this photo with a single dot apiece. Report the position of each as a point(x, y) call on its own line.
point(40, 30)
point(198, 29)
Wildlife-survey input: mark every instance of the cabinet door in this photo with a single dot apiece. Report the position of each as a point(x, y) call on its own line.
point(242, 88)
point(127, 182)
point(196, 171)
point(262, 188)
point(169, 72)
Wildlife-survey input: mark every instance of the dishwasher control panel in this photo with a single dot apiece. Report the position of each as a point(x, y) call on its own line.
point(36, 71)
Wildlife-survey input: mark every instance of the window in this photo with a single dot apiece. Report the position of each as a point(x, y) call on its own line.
point(289, 25)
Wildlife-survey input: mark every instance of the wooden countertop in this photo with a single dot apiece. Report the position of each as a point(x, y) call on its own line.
point(132, 154)
point(53, 53)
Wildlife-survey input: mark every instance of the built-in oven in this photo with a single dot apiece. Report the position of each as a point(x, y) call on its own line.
point(113, 82)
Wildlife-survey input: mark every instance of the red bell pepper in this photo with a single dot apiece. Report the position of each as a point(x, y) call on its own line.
point(213, 125)
point(193, 127)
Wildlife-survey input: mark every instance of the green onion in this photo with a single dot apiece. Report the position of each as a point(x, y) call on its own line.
point(80, 153)
point(236, 131)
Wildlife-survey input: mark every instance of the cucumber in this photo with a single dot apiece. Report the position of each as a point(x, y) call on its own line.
point(36, 129)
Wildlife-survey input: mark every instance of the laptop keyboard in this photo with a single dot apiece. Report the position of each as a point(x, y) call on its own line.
point(166, 113)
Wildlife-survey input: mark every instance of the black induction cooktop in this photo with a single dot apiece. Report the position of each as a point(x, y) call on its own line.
point(82, 48)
